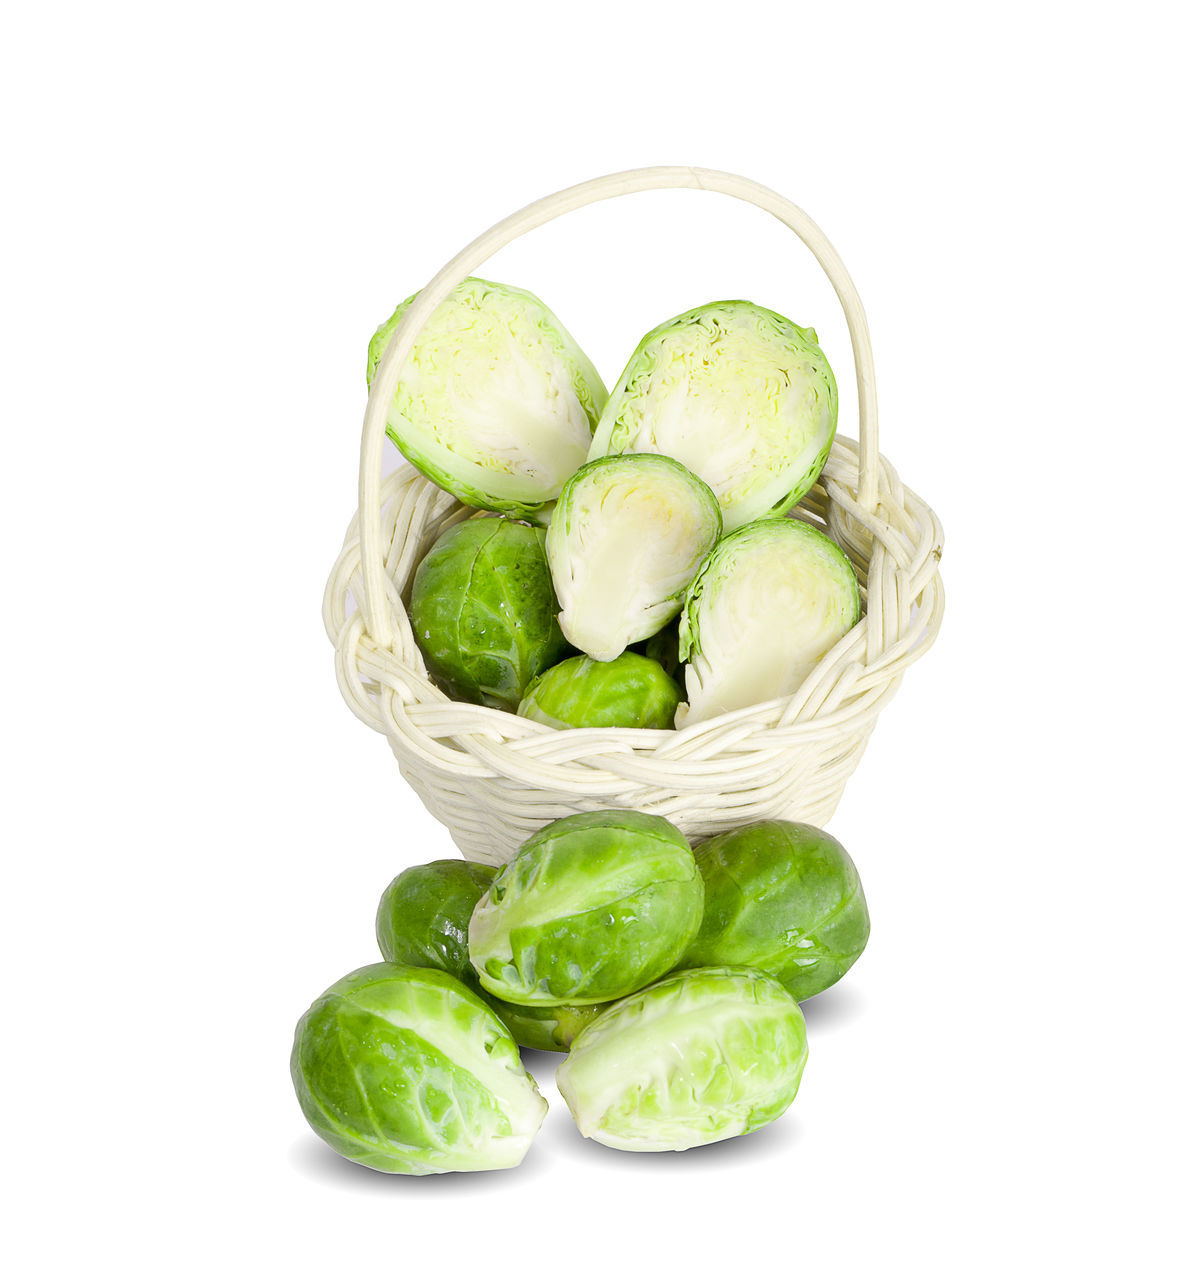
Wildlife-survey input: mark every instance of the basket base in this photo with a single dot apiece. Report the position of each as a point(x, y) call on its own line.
point(489, 819)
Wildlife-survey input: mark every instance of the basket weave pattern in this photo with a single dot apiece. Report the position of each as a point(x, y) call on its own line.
point(494, 778)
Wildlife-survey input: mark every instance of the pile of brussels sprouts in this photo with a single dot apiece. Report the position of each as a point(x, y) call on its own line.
point(618, 537)
point(669, 977)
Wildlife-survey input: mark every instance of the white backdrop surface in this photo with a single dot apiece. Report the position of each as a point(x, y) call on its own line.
point(208, 211)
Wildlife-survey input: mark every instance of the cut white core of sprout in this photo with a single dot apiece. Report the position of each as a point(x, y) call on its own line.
point(769, 604)
point(740, 395)
point(496, 401)
point(627, 537)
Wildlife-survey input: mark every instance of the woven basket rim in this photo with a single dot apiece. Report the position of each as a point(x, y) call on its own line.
point(893, 539)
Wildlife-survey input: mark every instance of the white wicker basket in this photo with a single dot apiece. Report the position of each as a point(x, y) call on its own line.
point(493, 778)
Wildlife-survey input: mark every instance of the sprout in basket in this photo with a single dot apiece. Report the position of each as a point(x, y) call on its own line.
point(703, 1055)
point(627, 537)
point(496, 402)
point(782, 897)
point(592, 907)
point(767, 605)
point(631, 692)
point(740, 395)
point(407, 1071)
point(423, 914)
point(483, 611)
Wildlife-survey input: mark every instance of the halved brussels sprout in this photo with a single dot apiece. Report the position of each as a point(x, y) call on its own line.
point(703, 1055)
point(483, 611)
point(496, 403)
point(405, 1070)
point(626, 538)
point(591, 907)
point(423, 914)
point(768, 603)
point(631, 692)
point(551, 1028)
point(783, 897)
point(740, 395)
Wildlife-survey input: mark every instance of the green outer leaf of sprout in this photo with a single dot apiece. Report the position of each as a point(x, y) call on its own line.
point(631, 692)
point(700, 1056)
point(782, 897)
point(591, 907)
point(483, 611)
point(423, 914)
point(405, 1070)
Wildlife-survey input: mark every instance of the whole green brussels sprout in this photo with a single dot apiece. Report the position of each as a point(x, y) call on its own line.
point(785, 898)
point(405, 1070)
point(702, 1055)
point(483, 611)
point(551, 1028)
point(591, 907)
point(423, 914)
point(631, 692)
point(422, 920)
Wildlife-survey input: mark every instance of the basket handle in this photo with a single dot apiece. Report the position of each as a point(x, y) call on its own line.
point(387, 375)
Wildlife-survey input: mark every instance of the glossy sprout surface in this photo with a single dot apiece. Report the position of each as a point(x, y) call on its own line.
point(783, 897)
point(405, 1070)
point(483, 611)
point(631, 692)
point(592, 907)
point(702, 1055)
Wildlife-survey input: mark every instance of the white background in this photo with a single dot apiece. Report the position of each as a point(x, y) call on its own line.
point(207, 211)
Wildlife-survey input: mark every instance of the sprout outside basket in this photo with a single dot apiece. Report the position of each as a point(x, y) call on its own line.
point(494, 778)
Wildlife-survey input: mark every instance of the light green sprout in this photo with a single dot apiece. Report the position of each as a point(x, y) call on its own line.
point(741, 396)
point(631, 692)
point(703, 1055)
point(626, 538)
point(591, 907)
point(766, 606)
point(496, 402)
point(405, 1070)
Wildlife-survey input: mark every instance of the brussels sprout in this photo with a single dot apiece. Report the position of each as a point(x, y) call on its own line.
point(741, 396)
point(483, 611)
point(627, 537)
point(592, 907)
point(631, 692)
point(422, 920)
point(423, 915)
point(768, 603)
point(496, 403)
point(782, 897)
point(405, 1070)
point(551, 1028)
point(703, 1055)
